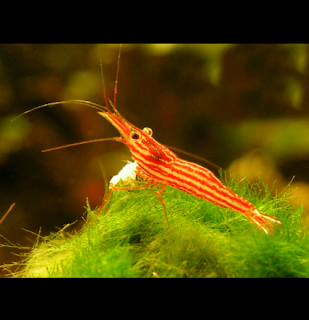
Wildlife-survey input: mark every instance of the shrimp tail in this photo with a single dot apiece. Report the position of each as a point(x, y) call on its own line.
point(264, 222)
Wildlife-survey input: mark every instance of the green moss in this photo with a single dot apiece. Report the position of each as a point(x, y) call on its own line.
point(131, 239)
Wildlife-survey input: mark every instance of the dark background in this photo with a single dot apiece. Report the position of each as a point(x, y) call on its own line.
point(241, 106)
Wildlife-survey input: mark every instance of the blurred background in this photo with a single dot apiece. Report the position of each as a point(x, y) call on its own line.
point(244, 107)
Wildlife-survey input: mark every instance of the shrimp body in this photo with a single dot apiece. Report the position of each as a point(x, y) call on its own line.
point(159, 165)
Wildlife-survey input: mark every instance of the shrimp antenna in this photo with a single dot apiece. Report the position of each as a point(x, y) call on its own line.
point(116, 82)
point(103, 83)
point(195, 156)
point(82, 102)
point(79, 144)
point(117, 76)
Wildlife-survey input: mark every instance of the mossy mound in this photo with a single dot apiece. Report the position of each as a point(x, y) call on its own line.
point(131, 239)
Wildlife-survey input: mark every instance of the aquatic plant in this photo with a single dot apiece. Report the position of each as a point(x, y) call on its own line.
point(131, 239)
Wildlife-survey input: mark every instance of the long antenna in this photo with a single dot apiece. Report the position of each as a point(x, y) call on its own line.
point(196, 157)
point(117, 75)
point(103, 82)
point(79, 144)
point(82, 102)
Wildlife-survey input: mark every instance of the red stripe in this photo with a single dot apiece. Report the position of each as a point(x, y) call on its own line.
point(161, 165)
point(178, 171)
point(191, 188)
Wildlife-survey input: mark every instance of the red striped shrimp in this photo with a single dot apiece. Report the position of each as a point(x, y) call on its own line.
point(158, 165)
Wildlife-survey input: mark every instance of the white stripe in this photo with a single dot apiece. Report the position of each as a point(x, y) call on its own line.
point(187, 188)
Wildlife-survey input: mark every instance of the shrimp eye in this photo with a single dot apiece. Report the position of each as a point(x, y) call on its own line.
point(135, 135)
point(148, 131)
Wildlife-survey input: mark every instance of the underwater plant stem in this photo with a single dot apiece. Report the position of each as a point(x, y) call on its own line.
point(7, 213)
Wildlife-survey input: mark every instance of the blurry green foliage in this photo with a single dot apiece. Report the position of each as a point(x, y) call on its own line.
point(280, 138)
point(83, 85)
point(12, 134)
